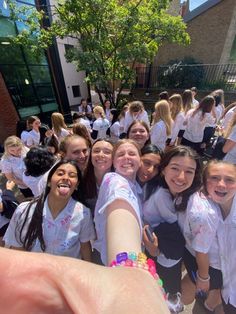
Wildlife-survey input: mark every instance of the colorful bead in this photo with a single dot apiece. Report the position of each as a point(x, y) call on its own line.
point(141, 261)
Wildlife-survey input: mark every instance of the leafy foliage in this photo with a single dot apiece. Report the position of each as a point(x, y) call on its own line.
point(113, 36)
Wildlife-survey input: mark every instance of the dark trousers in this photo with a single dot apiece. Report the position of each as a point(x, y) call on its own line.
point(171, 277)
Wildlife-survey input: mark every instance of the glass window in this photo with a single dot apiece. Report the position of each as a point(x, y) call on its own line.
point(76, 91)
point(4, 8)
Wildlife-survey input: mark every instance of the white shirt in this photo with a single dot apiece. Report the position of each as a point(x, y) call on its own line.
point(24, 137)
point(14, 165)
point(62, 235)
point(86, 123)
point(196, 124)
point(158, 134)
point(63, 133)
point(177, 126)
point(101, 125)
point(195, 102)
point(115, 131)
point(226, 235)
point(114, 187)
point(157, 209)
point(231, 155)
point(199, 223)
point(228, 117)
point(32, 183)
point(88, 109)
point(33, 138)
point(142, 116)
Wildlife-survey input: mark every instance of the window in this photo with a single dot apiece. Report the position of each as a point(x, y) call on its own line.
point(68, 48)
point(76, 91)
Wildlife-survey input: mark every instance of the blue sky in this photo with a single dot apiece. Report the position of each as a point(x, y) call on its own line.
point(195, 3)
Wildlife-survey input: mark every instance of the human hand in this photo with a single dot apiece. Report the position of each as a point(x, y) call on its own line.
point(152, 247)
point(202, 285)
point(10, 185)
point(41, 283)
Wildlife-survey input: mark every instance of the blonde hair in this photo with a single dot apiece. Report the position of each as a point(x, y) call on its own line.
point(162, 112)
point(58, 122)
point(177, 105)
point(12, 141)
point(230, 126)
point(99, 110)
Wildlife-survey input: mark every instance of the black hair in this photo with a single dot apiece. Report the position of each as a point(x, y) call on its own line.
point(164, 95)
point(38, 160)
point(178, 151)
point(52, 141)
point(155, 181)
point(35, 230)
point(115, 115)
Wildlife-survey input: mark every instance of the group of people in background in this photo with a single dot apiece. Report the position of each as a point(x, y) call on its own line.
point(125, 181)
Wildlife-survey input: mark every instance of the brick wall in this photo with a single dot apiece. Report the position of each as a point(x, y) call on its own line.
point(8, 114)
point(208, 33)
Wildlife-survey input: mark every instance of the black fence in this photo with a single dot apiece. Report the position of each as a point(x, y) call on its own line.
point(174, 76)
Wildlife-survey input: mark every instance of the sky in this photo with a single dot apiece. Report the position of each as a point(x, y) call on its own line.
point(195, 3)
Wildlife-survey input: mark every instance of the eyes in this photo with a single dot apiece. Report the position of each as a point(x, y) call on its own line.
point(217, 179)
point(130, 153)
point(70, 174)
point(104, 151)
point(149, 164)
point(177, 169)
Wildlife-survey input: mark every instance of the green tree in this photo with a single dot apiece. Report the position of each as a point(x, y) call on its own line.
point(113, 36)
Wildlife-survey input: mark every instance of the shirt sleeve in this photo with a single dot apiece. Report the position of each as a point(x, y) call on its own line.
point(12, 235)
point(30, 141)
point(6, 166)
point(177, 127)
point(203, 222)
point(96, 125)
point(232, 135)
point(87, 232)
point(157, 134)
point(115, 187)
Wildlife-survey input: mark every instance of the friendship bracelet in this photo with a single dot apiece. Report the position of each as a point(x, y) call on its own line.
point(203, 279)
point(141, 261)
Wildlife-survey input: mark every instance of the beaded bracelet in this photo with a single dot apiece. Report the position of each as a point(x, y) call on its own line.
point(203, 279)
point(141, 261)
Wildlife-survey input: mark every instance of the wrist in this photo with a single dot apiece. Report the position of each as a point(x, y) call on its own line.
point(203, 278)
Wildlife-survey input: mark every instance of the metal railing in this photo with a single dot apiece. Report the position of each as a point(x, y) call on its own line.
point(178, 75)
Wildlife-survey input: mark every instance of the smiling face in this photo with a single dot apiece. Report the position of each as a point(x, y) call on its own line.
point(101, 156)
point(179, 174)
point(127, 161)
point(14, 151)
point(149, 167)
point(139, 134)
point(36, 124)
point(64, 181)
point(78, 151)
point(221, 183)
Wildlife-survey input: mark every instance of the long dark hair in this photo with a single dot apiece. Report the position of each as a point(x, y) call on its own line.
point(154, 182)
point(183, 151)
point(35, 230)
point(88, 184)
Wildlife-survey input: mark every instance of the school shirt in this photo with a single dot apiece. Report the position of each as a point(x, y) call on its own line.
point(63, 133)
point(14, 165)
point(114, 187)
point(195, 102)
point(231, 155)
point(86, 123)
point(177, 126)
point(32, 183)
point(33, 138)
point(219, 110)
point(24, 137)
point(101, 125)
point(196, 124)
point(158, 134)
point(226, 235)
point(115, 131)
point(157, 209)
point(142, 116)
point(85, 110)
point(199, 223)
point(228, 117)
point(62, 235)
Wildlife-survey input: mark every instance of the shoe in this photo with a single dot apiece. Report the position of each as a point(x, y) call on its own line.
point(174, 303)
